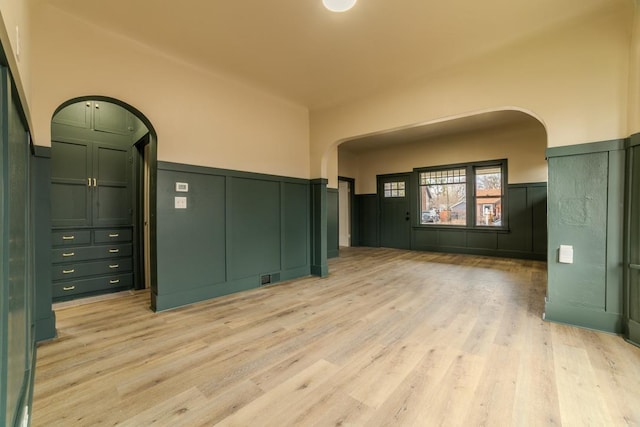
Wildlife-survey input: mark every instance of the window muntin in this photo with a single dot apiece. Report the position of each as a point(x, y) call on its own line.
point(443, 195)
point(394, 189)
point(488, 195)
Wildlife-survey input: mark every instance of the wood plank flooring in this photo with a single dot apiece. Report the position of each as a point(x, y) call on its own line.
point(389, 338)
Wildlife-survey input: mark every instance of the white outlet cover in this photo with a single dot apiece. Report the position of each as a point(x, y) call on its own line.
point(181, 202)
point(182, 187)
point(566, 254)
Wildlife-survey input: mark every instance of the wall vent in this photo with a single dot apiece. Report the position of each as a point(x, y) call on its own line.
point(267, 279)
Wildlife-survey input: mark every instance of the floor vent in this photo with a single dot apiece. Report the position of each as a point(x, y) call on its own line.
point(267, 279)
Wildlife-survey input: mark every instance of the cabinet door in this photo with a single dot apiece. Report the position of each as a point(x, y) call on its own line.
point(112, 118)
point(70, 174)
point(112, 203)
point(77, 115)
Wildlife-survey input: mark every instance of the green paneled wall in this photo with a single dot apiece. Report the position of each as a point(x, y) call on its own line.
point(526, 237)
point(254, 227)
point(17, 290)
point(586, 211)
point(237, 227)
point(295, 227)
point(368, 226)
point(193, 251)
point(332, 223)
point(318, 221)
point(41, 202)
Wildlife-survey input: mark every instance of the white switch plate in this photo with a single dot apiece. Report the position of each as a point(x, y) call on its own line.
point(181, 202)
point(565, 255)
point(182, 187)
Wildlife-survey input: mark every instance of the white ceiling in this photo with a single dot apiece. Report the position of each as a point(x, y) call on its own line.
point(300, 51)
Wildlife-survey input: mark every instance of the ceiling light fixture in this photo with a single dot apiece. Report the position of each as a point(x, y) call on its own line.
point(338, 5)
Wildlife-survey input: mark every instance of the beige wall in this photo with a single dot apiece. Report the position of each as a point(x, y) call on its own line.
point(16, 20)
point(573, 79)
point(523, 147)
point(200, 118)
point(634, 74)
point(576, 80)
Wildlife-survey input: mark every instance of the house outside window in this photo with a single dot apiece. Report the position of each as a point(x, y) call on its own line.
point(468, 195)
point(488, 193)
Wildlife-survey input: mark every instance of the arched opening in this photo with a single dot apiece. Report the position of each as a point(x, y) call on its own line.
point(103, 198)
point(511, 139)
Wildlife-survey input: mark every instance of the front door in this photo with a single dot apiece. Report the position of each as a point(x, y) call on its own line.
point(395, 211)
point(632, 294)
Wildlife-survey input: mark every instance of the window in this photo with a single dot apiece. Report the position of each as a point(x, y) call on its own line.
point(489, 196)
point(468, 195)
point(443, 196)
point(394, 189)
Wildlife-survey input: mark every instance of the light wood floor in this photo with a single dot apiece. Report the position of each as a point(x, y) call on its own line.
point(390, 338)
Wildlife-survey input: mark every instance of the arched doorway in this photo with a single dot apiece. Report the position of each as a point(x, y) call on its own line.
point(103, 172)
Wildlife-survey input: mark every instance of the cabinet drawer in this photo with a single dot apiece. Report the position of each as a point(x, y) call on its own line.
point(71, 255)
point(92, 268)
point(75, 287)
point(115, 235)
point(70, 237)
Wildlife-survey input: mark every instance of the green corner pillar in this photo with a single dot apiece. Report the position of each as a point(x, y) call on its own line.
point(45, 318)
point(319, 266)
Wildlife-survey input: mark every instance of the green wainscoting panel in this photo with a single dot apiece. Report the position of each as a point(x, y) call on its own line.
point(368, 220)
point(571, 314)
point(482, 240)
point(319, 266)
point(295, 226)
point(191, 241)
point(586, 211)
point(525, 237)
point(45, 317)
point(537, 201)
point(452, 238)
point(578, 217)
point(253, 224)
point(615, 232)
point(237, 228)
point(17, 278)
point(332, 223)
point(520, 227)
point(425, 239)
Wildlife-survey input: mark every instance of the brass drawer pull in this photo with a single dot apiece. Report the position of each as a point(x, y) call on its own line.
point(69, 271)
point(114, 251)
point(68, 254)
point(114, 235)
point(68, 288)
point(114, 265)
point(68, 237)
point(113, 282)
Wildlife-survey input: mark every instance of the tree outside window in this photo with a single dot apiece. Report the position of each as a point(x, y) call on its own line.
point(443, 197)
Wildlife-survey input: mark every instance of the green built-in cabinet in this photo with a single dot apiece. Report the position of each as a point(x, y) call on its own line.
point(91, 199)
point(101, 116)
